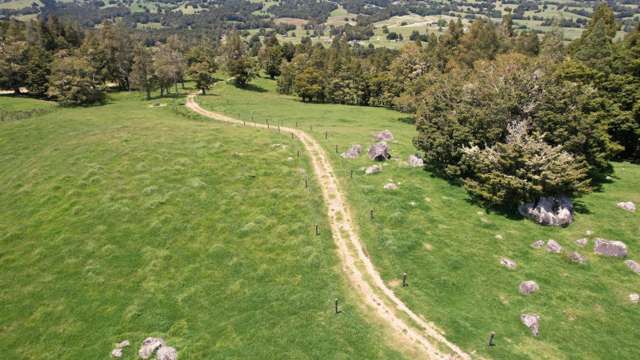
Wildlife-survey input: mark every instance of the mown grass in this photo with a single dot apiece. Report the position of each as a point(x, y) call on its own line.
point(125, 221)
point(451, 247)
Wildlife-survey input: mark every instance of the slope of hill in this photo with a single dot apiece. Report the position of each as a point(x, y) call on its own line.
point(129, 220)
point(451, 248)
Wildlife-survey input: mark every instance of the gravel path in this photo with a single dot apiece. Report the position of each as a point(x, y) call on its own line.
point(406, 325)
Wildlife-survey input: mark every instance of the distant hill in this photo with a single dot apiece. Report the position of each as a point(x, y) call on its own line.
point(365, 21)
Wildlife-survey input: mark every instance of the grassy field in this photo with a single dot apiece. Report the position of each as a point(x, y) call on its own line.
point(20, 107)
point(129, 220)
point(451, 248)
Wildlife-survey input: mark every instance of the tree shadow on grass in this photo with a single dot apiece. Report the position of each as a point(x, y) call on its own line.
point(251, 87)
point(407, 120)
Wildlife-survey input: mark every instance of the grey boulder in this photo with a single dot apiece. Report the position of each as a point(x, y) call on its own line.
point(577, 258)
point(627, 205)
point(634, 266)
point(384, 135)
point(528, 287)
point(508, 263)
point(582, 242)
point(167, 353)
point(553, 247)
point(353, 152)
point(149, 346)
point(379, 152)
point(373, 169)
point(415, 161)
point(610, 248)
point(390, 186)
point(549, 210)
point(532, 321)
point(538, 244)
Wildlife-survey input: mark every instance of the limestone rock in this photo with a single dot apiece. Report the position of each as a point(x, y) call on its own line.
point(553, 247)
point(537, 244)
point(610, 248)
point(373, 169)
point(528, 287)
point(627, 205)
point(508, 263)
point(117, 352)
point(149, 346)
point(379, 151)
point(390, 186)
point(384, 135)
point(634, 266)
point(415, 161)
point(556, 211)
point(532, 321)
point(167, 353)
point(577, 258)
point(634, 298)
point(582, 242)
point(353, 152)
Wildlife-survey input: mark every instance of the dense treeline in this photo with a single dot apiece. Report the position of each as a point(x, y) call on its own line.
point(55, 59)
point(512, 115)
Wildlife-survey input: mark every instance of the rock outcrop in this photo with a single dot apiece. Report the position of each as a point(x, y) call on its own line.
point(555, 211)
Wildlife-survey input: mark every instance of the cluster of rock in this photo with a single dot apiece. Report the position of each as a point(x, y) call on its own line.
point(549, 210)
point(150, 346)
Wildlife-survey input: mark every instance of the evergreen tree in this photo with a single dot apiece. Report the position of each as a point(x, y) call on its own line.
point(72, 81)
point(236, 61)
point(522, 169)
